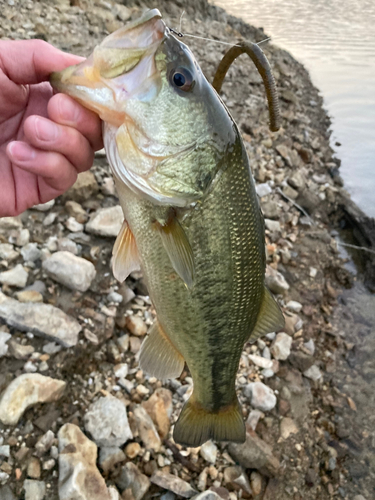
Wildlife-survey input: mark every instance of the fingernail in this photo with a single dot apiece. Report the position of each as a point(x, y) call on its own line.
point(45, 130)
point(20, 151)
point(68, 109)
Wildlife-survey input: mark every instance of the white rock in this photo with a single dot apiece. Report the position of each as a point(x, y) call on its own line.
point(294, 306)
point(121, 370)
point(106, 420)
point(253, 419)
point(207, 495)
point(208, 452)
point(173, 483)
point(106, 221)
point(7, 252)
point(74, 272)
point(23, 237)
point(272, 225)
point(280, 347)
point(34, 490)
point(73, 225)
point(44, 443)
point(43, 207)
point(287, 427)
point(109, 457)
point(5, 450)
point(261, 362)
point(313, 373)
point(79, 478)
point(15, 277)
point(40, 319)
point(4, 337)
point(310, 346)
point(67, 245)
point(30, 252)
point(115, 297)
point(25, 391)
point(8, 223)
point(276, 281)
point(261, 396)
point(49, 219)
point(113, 493)
point(263, 189)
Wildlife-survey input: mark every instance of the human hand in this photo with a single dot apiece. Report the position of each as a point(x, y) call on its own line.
point(45, 139)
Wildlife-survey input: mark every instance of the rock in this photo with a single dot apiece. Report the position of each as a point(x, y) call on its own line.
point(44, 443)
point(29, 296)
point(74, 272)
point(27, 390)
point(109, 457)
point(146, 429)
point(34, 490)
point(255, 453)
point(106, 420)
point(31, 252)
point(33, 468)
point(113, 493)
point(256, 483)
point(270, 210)
point(276, 281)
point(237, 478)
point(173, 483)
point(20, 351)
point(308, 200)
point(132, 479)
point(313, 373)
point(15, 277)
point(253, 419)
point(132, 450)
point(40, 319)
point(263, 189)
point(159, 407)
point(77, 211)
point(6, 493)
point(207, 495)
point(73, 225)
point(8, 223)
point(280, 347)
point(106, 221)
point(44, 207)
point(301, 361)
point(136, 325)
point(22, 238)
point(261, 396)
point(260, 361)
point(290, 192)
point(310, 346)
point(79, 477)
point(108, 187)
point(208, 452)
point(7, 252)
point(287, 427)
point(115, 297)
point(84, 188)
point(67, 245)
point(5, 450)
point(272, 225)
point(4, 337)
point(297, 181)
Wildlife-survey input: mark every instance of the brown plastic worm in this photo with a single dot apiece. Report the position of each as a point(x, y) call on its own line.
point(264, 68)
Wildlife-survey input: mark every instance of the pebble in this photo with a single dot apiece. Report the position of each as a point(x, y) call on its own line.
point(131, 480)
point(15, 277)
point(132, 450)
point(34, 490)
point(7, 252)
point(29, 296)
point(263, 189)
point(256, 483)
point(73, 225)
point(260, 361)
point(281, 346)
point(107, 422)
point(84, 187)
point(310, 346)
point(44, 443)
point(136, 325)
point(31, 252)
point(115, 297)
point(74, 272)
point(4, 337)
point(7, 223)
point(67, 245)
point(146, 429)
point(173, 483)
point(40, 319)
point(44, 207)
point(294, 306)
point(261, 396)
point(287, 427)
point(33, 468)
point(208, 452)
point(106, 221)
point(253, 419)
point(208, 495)
point(276, 281)
point(313, 373)
point(5, 450)
point(6, 493)
point(235, 476)
point(272, 225)
point(159, 408)
point(79, 478)
point(20, 351)
point(25, 391)
point(109, 457)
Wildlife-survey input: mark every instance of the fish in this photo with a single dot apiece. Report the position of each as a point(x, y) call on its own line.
point(192, 220)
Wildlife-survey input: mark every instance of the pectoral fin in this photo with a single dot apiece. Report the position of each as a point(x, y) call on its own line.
point(178, 249)
point(125, 254)
point(158, 357)
point(270, 317)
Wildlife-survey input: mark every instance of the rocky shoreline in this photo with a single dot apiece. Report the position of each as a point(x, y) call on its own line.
point(78, 419)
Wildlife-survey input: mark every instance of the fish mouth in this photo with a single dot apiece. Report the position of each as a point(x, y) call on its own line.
point(120, 68)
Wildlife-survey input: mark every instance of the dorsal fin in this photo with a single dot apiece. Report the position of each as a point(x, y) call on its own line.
point(270, 317)
point(125, 254)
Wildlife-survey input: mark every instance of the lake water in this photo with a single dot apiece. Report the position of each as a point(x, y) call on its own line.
point(335, 40)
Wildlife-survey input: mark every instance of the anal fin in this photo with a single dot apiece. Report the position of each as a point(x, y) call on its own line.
point(125, 254)
point(270, 317)
point(158, 356)
point(178, 249)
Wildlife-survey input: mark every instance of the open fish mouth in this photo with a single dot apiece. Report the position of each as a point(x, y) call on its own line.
point(122, 67)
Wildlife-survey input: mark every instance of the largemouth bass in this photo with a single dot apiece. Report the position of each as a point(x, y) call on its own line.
point(192, 218)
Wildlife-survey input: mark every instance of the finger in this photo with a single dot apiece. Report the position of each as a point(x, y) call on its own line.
point(66, 111)
point(32, 61)
point(56, 170)
point(47, 135)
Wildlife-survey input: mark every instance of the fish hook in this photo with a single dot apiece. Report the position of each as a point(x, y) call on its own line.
point(263, 66)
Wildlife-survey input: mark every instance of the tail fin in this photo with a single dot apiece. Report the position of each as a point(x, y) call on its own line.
point(196, 425)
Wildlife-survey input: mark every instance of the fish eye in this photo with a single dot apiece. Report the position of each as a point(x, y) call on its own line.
point(182, 79)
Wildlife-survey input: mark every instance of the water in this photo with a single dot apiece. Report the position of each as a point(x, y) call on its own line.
point(335, 40)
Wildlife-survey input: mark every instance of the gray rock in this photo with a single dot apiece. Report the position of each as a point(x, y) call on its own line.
point(51, 348)
point(31, 252)
point(290, 192)
point(106, 420)
point(44, 443)
point(84, 187)
point(208, 452)
point(5, 450)
point(7, 252)
point(146, 429)
point(253, 419)
point(34, 490)
point(6, 493)
point(255, 453)
point(280, 347)
point(294, 306)
point(79, 478)
point(263, 189)
point(236, 477)
point(261, 396)
point(313, 373)
point(25, 391)
point(74, 272)
point(301, 361)
point(20, 351)
point(15, 277)
point(297, 181)
point(106, 221)
point(310, 346)
point(276, 281)
point(270, 210)
point(4, 337)
point(67, 245)
point(272, 225)
point(109, 457)
point(132, 479)
point(40, 319)
point(172, 483)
